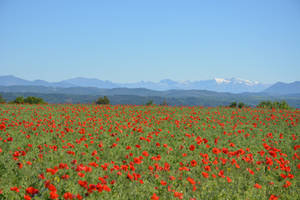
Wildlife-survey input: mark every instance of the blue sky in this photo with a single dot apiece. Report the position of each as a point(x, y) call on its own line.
point(128, 41)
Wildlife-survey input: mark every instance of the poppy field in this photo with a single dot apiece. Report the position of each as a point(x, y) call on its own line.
point(148, 152)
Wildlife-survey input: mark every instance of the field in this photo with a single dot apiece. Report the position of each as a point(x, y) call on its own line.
point(148, 152)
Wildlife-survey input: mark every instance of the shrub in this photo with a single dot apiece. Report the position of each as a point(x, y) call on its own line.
point(103, 100)
point(233, 104)
point(276, 105)
point(149, 103)
point(29, 100)
point(241, 105)
point(2, 100)
point(34, 100)
point(19, 100)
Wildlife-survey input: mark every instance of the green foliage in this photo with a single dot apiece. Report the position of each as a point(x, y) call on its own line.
point(19, 100)
point(29, 100)
point(103, 100)
point(283, 105)
point(133, 150)
point(191, 98)
point(149, 103)
point(241, 105)
point(34, 100)
point(2, 100)
point(233, 104)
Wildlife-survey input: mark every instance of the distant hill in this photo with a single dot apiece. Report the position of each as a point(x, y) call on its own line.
point(90, 82)
point(206, 93)
point(284, 88)
point(117, 91)
point(233, 85)
point(139, 96)
point(12, 80)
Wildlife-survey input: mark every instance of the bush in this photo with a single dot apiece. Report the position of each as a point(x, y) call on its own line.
point(19, 100)
point(265, 104)
point(241, 105)
point(34, 100)
point(149, 103)
point(233, 104)
point(29, 100)
point(103, 100)
point(276, 105)
point(2, 100)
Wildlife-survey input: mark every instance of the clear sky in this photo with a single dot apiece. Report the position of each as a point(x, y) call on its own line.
point(128, 41)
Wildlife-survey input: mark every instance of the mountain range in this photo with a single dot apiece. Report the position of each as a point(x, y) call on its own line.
point(284, 88)
point(233, 85)
point(205, 93)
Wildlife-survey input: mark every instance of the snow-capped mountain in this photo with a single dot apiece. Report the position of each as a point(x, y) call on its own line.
point(237, 85)
point(236, 81)
point(233, 85)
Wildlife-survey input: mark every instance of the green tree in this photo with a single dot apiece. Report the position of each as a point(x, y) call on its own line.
point(34, 100)
point(233, 104)
point(29, 100)
point(106, 100)
point(149, 103)
point(241, 105)
point(19, 100)
point(2, 100)
point(265, 104)
point(103, 100)
point(276, 105)
point(284, 105)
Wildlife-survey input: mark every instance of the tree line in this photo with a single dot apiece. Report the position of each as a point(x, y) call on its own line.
point(23, 100)
point(105, 100)
point(283, 105)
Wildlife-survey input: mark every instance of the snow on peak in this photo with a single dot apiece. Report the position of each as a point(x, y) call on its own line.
point(221, 80)
point(236, 81)
point(246, 82)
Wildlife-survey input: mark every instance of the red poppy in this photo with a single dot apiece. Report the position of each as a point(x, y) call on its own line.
point(192, 148)
point(154, 197)
point(68, 195)
point(273, 197)
point(16, 189)
point(192, 181)
point(256, 185)
point(26, 197)
point(193, 163)
point(32, 191)
point(216, 150)
point(205, 175)
point(53, 195)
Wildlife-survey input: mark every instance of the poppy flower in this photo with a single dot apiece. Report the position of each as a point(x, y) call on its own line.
point(273, 197)
point(154, 197)
point(256, 185)
point(216, 150)
point(192, 147)
point(193, 163)
point(191, 181)
point(16, 189)
point(26, 197)
point(205, 175)
point(32, 191)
